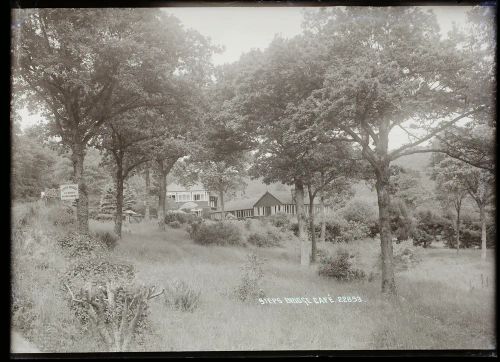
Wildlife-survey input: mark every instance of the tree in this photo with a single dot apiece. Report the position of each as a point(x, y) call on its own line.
point(108, 204)
point(328, 167)
point(394, 71)
point(126, 143)
point(262, 89)
point(451, 190)
point(457, 179)
point(81, 76)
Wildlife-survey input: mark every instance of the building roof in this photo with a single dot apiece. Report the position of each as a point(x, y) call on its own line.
point(286, 197)
point(173, 187)
point(241, 204)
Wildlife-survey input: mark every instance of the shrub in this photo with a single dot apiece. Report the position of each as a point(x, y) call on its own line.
point(22, 313)
point(359, 211)
point(251, 279)
point(75, 245)
point(109, 239)
point(406, 255)
point(105, 217)
point(268, 239)
point(174, 224)
point(402, 223)
point(279, 220)
point(178, 295)
point(60, 215)
point(340, 267)
point(219, 233)
point(23, 214)
point(354, 230)
point(102, 295)
point(181, 217)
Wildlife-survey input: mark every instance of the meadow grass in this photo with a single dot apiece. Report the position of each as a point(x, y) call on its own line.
point(443, 301)
point(436, 307)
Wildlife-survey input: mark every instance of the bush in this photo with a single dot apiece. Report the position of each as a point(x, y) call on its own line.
point(105, 217)
point(354, 230)
point(406, 255)
point(60, 215)
point(102, 295)
point(268, 239)
point(181, 217)
point(279, 220)
point(22, 313)
point(403, 225)
point(110, 240)
point(251, 279)
point(174, 224)
point(180, 296)
point(359, 211)
point(340, 267)
point(218, 233)
point(75, 245)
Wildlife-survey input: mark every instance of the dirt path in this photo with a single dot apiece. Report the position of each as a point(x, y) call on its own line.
point(18, 344)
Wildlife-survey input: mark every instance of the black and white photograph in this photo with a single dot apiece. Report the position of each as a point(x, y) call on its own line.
point(253, 178)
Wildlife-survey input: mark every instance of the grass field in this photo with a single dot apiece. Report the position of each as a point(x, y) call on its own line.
point(443, 302)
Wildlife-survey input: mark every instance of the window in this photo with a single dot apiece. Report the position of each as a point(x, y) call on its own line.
point(197, 197)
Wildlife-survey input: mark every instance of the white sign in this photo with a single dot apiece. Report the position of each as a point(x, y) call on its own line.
point(69, 192)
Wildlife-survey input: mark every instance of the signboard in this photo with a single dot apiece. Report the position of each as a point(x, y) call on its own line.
point(69, 192)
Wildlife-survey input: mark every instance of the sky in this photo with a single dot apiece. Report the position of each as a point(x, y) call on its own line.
point(240, 29)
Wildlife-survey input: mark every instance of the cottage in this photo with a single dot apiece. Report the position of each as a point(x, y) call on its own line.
point(266, 205)
point(196, 198)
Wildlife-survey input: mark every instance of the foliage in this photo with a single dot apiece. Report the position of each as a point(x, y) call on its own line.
point(339, 267)
point(76, 245)
point(279, 220)
point(22, 313)
point(108, 199)
point(218, 233)
point(61, 215)
point(181, 217)
point(250, 283)
point(406, 255)
point(102, 295)
point(268, 239)
point(107, 238)
point(359, 211)
point(180, 296)
point(174, 224)
point(402, 223)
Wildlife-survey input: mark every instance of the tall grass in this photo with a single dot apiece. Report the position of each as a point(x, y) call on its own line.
point(441, 302)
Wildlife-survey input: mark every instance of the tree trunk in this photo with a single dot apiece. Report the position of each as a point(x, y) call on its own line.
point(482, 216)
point(388, 281)
point(305, 250)
point(312, 226)
point(147, 216)
point(82, 204)
point(322, 236)
point(221, 196)
point(119, 199)
point(457, 234)
point(162, 191)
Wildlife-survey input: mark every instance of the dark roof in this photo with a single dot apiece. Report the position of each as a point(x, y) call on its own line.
point(241, 204)
point(286, 197)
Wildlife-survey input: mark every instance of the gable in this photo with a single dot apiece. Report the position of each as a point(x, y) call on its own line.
point(267, 200)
